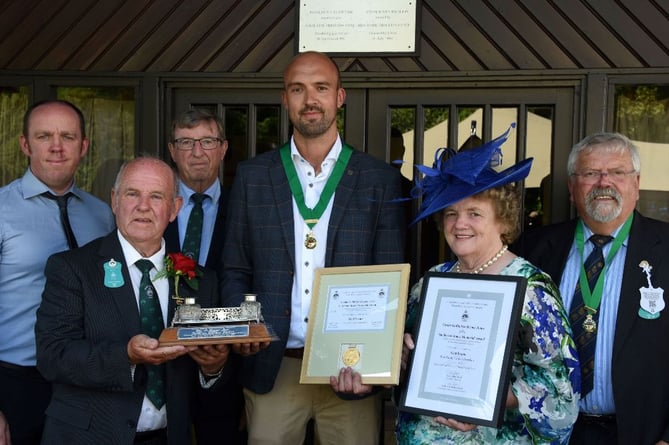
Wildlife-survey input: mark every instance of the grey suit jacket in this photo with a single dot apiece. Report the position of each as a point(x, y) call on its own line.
point(82, 331)
point(640, 372)
point(259, 254)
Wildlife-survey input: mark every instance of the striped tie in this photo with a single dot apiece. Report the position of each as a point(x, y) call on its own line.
point(586, 341)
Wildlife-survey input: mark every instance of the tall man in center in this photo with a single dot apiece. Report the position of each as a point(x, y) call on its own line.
point(315, 202)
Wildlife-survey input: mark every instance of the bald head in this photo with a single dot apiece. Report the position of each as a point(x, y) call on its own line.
point(312, 57)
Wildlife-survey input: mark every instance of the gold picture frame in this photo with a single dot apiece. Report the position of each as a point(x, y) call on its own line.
point(356, 319)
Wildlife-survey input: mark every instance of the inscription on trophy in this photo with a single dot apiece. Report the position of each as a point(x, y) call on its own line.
point(204, 332)
point(217, 325)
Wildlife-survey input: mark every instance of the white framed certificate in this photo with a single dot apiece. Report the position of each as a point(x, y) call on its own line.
point(356, 320)
point(465, 338)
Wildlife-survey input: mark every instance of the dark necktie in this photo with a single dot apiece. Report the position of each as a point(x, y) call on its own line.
point(151, 324)
point(586, 341)
point(61, 200)
point(193, 237)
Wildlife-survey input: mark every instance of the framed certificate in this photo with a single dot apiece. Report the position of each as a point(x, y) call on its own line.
point(357, 320)
point(464, 343)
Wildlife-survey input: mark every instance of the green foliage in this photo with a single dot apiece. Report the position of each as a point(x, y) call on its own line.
point(641, 112)
point(110, 126)
point(404, 118)
point(340, 122)
point(13, 105)
point(267, 128)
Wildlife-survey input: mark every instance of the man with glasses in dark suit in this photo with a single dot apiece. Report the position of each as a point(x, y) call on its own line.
point(617, 307)
point(198, 148)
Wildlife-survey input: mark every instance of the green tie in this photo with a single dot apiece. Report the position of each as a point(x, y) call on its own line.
point(151, 324)
point(193, 238)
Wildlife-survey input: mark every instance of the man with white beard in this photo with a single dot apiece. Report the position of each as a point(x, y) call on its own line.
point(611, 264)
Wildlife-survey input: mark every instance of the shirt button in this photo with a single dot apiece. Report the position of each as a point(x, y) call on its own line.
point(306, 319)
point(306, 291)
point(306, 264)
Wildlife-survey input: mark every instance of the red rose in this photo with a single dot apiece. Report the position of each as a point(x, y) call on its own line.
point(183, 264)
point(176, 266)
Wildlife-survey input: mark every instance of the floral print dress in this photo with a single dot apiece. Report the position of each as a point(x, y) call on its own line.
point(545, 375)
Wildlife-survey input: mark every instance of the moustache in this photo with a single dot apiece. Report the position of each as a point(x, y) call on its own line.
point(310, 109)
point(603, 192)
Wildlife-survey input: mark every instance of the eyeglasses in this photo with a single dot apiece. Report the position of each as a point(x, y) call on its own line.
point(593, 176)
point(189, 143)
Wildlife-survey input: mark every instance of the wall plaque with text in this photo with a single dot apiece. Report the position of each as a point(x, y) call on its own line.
point(357, 27)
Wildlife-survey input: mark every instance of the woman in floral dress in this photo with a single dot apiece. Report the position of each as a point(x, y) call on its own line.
point(478, 211)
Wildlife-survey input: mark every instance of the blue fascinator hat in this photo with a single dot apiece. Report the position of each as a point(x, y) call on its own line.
point(464, 174)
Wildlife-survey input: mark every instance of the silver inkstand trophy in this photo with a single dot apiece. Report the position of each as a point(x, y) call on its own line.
point(193, 324)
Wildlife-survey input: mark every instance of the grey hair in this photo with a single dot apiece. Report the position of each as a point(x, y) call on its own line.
point(194, 117)
point(612, 143)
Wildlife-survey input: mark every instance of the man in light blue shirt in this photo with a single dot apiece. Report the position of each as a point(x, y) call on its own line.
point(31, 229)
point(617, 301)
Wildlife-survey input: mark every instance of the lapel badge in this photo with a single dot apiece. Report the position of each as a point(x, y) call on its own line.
point(113, 275)
point(652, 298)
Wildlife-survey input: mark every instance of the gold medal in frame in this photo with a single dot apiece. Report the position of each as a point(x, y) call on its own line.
point(356, 320)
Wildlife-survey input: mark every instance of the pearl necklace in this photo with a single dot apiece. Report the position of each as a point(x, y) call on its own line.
point(489, 263)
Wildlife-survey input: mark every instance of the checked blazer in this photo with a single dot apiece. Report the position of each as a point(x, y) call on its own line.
point(366, 227)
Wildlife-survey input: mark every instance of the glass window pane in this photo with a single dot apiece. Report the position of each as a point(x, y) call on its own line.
point(470, 125)
point(502, 118)
point(268, 132)
point(436, 131)
point(433, 247)
point(13, 105)
point(402, 127)
point(110, 127)
point(213, 109)
point(341, 119)
point(236, 120)
point(538, 185)
point(641, 112)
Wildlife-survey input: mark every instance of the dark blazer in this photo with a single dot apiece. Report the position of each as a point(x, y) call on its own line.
point(641, 347)
point(214, 259)
point(217, 413)
point(82, 331)
point(259, 254)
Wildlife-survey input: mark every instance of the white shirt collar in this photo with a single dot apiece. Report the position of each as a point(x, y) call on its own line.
point(132, 255)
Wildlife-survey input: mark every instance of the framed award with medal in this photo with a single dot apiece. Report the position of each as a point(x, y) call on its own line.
point(464, 339)
point(356, 320)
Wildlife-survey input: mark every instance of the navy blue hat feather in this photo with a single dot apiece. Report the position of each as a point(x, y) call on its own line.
point(464, 174)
